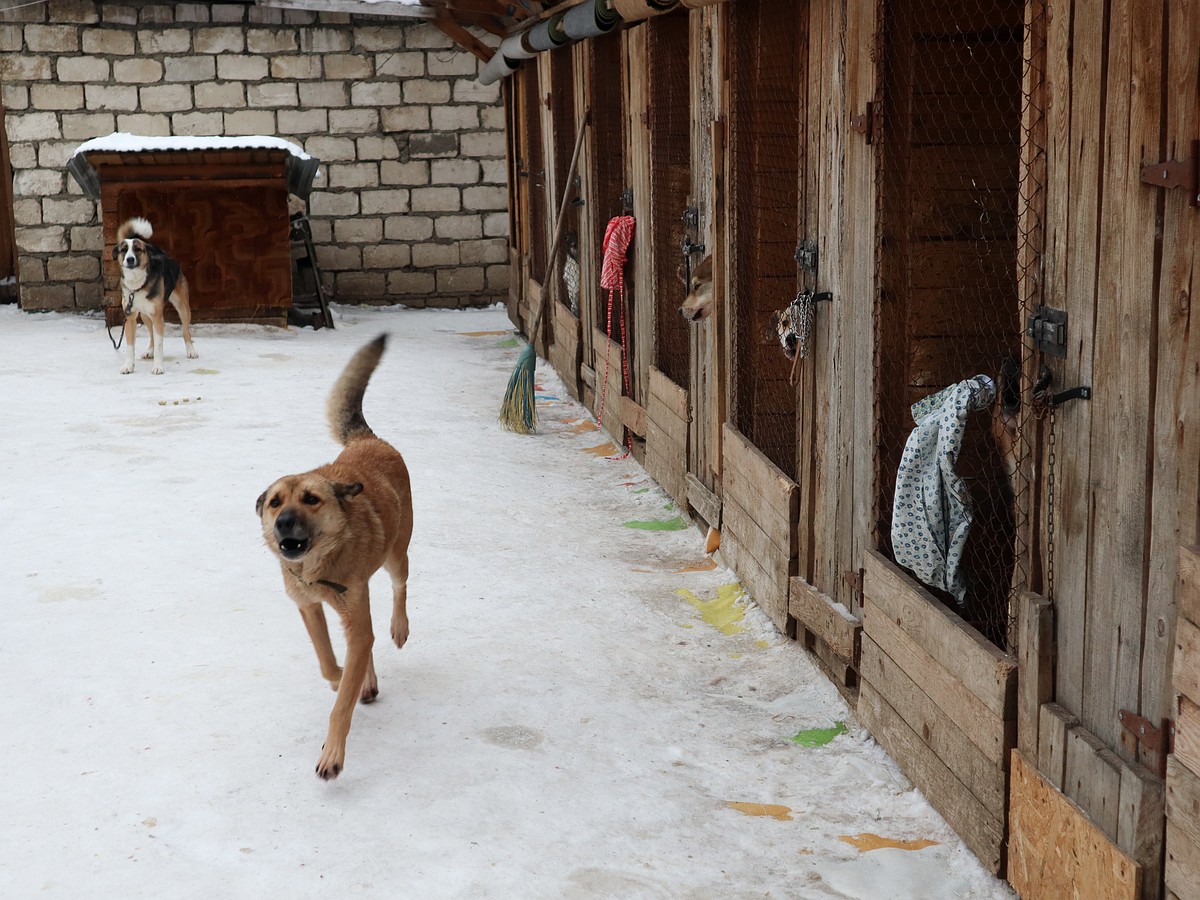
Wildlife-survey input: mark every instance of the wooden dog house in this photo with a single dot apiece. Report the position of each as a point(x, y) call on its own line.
point(218, 205)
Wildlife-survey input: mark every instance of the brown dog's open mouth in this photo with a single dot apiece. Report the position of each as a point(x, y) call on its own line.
point(293, 548)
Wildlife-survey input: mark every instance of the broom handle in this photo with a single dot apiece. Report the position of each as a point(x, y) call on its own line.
point(558, 227)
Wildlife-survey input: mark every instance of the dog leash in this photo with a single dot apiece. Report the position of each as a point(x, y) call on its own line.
point(128, 308)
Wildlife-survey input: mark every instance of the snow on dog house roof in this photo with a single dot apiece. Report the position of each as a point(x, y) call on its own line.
point(300, 168)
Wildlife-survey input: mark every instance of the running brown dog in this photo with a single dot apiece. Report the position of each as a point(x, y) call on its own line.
point(332, 529)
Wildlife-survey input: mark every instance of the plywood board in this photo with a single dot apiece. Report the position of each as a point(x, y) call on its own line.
point(981, 831)
point(1055, 851)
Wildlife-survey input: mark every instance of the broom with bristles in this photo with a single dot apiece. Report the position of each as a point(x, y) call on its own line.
point(518, 412)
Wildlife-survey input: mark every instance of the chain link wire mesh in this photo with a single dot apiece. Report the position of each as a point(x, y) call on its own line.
point(670, 186)
point(955, 241)
point(562, 114)
point(532, 167)
point(607, 160)
point(765, 174)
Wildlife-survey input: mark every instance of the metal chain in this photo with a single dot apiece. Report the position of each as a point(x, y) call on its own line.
point(1050, 453)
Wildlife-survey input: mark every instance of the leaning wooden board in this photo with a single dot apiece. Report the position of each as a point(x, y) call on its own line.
point(1069, 857)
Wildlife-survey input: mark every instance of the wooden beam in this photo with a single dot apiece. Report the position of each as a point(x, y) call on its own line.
point(826, 618)
point(462, 37)
point(1035, 680)
point(1054, 723)
point(353, 7)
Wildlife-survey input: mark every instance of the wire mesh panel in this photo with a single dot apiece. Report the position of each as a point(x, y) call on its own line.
point(608, 154)
point(765, 159)
point(670, 185)
point(532, 167)
point(950, 304)
point(562, 114)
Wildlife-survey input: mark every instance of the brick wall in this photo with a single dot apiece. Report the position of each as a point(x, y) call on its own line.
point(410, 204)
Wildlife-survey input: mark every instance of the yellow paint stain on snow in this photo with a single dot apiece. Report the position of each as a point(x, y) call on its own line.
point(483, 333)
point(579, 426)
point(771, 810)
point(762, 644)
point(722, 612)
point(868, 842)
point(605, 449)
point(707, 566)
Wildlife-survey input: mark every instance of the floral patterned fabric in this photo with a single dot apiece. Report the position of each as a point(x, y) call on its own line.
point(931, 514)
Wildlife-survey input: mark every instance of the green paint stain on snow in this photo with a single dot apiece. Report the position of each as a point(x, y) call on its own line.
point(819, 737)
point(509, 344)
point(675, 524)
point(722, 612)
point(642, 491)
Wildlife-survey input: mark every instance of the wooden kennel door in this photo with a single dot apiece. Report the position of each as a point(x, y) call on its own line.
point(949, 305)
point(768, 41)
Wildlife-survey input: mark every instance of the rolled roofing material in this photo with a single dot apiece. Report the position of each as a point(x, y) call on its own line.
point(696, 4)
point(545, 35)
point(589, 20)
point(514, 47)
point(499, 66)
point(635, 10)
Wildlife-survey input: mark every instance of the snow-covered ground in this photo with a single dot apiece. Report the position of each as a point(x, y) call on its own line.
point(585, 708)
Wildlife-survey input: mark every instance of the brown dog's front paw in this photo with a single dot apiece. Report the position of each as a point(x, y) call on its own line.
point(370, 688)
point(329, 766)
point(400, 632)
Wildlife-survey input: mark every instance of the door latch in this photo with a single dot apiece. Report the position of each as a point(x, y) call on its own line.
point(1048, 329)
point(806, 255)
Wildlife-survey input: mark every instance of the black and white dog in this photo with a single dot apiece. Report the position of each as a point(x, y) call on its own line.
point(149, 278)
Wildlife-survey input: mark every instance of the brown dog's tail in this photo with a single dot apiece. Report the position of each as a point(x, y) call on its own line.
point(345, 400)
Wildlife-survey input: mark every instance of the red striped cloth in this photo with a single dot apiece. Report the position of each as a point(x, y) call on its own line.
point(617, 237)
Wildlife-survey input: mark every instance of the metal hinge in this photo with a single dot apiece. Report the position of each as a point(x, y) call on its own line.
point(854, 578)
point(864, 122)
point(1158, 739)
point(1177, 173)
point(1048, 329)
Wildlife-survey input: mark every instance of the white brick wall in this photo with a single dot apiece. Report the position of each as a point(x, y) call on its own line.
point(409, 205)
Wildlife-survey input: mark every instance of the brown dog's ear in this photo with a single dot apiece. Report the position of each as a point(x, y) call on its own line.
point(258, 504)
point(116, 251)
point(342, 491)
point(703, 272)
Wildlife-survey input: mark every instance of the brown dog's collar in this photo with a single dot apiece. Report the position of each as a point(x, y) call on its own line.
point(332, 585)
